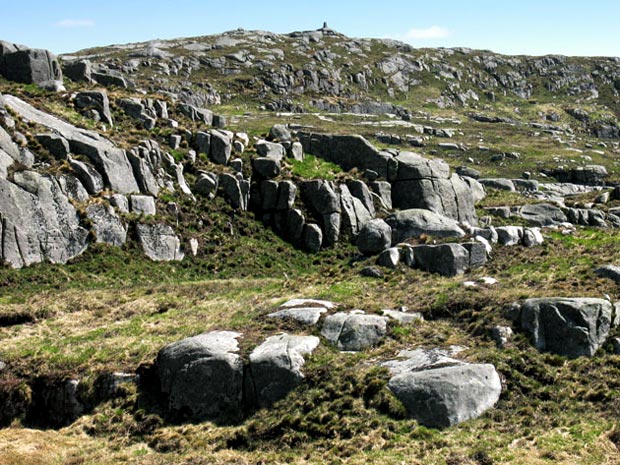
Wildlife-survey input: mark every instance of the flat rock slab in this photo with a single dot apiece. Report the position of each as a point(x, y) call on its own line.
point(203, 376)
point(439, 391)
point(305, 315)
point(275, 366)
point(159, 242)
point(403, 317)
point(354, 331)
point(296, 303)
point(571, 327)
point(415, 222)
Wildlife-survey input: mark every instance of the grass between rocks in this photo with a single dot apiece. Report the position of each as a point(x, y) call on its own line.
point(97, 318)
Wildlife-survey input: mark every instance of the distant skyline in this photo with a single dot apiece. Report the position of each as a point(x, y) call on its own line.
point(518, 27)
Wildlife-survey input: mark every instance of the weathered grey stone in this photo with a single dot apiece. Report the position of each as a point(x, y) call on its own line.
point(498, 184)
point(375, 236)
point(304, 315)
point(120, 202)
point(389, 258)
point(159, 242)
point(39, 222)
point(109, 160)
point(271, 150)
point(203, 142)
point(269, 195)
point(312, 238)
point(276, 364)
point(220, 148)
point(532, 237)
point(294, 226)
point(203, 375)
point(296, 303)
point(509, 235)
point(143, 174)
point(78, 71)
point(609, 271)
point(383, 189)
point(235, 190)
point(402, 316)
point(501, 335)
point(196, 114)
point(354, 214)
point(415, 222)
point(108, 227)
point(56, 145)
point(73, 188)
point(280, 133)
point(143, 205)
point(89, 177)
point(346, 151)
point(542, 214)
point(95, 100)
point(477, 253)
point(571, 327)
point(446, 392)
point(296, 151)
point(266, 168)
point(206, 185)
point(360, 190)
point(28, 65)
point(354, 331)
point(590, 175)
point(287, 191)
point(445, 259)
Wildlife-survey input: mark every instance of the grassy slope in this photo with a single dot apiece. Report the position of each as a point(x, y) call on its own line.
point(111, 309)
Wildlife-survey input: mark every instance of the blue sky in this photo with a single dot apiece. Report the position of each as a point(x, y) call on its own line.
point(530, 27)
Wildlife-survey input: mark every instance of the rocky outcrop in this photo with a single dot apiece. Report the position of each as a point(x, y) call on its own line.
point(109, 160)
point(571, 327)
point(28, 65)
point(38, 221)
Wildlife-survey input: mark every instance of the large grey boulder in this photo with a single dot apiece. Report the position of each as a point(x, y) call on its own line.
point(439, 391)
point(265, 167)
point(142, 205)
point(590, 175)
point(360, 191)
point(108, 159)
point(374, 236)
point(56, 145)
point(203, 375)
point(28, 65)
point(108, 227)
point(220, 148)
point(407, 224)
point(303, 311)
point(159, 242)
point(276, 364)
point(312, 237)
point(78, 71)
point(571, 327)
point(206, 185)
point(444, 259)
point(271, 150)
point(354, 331)
point(509, 235)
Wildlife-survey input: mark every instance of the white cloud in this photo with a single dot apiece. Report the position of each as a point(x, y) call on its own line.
point(433, 32)
point(73, 23)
